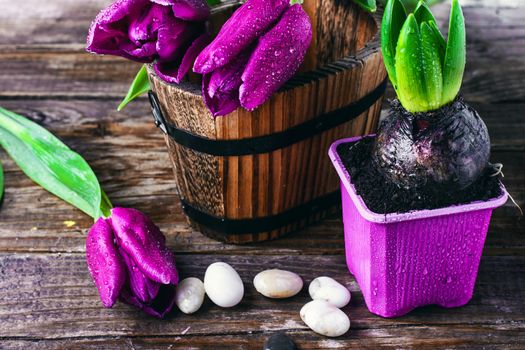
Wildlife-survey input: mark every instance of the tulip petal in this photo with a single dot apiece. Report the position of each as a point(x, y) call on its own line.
point(144, 53)
point(108, 33)
point(145, 25)
point(159, 307)
point(243, 28)
point(220, 89)
point(188, 10)
point(174, 73)
point(104, 262)
point(191, 10)
point(138, 236)
point(276, 58)
point(174, 36)
point(144, 289)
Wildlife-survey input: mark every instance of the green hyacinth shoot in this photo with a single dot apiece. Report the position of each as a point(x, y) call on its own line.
point(425, 69)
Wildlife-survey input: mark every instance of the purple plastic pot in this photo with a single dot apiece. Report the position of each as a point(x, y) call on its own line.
point(424, 257)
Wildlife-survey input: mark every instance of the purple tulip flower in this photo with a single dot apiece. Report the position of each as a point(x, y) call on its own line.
point(128, 260)
point(256, 51)
point(170, 33)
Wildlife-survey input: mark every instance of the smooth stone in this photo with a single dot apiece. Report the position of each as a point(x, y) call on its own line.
point(279, 341)
point(325, 319)
point(189, 295)
point(278, 284)
point(223, 285)
point(328, 289)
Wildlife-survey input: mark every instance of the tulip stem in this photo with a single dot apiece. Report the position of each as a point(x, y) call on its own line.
point(1, 183)
point(105, 205)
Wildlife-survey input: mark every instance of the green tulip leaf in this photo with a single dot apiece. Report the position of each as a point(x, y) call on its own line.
point(368, 5)
point(455, 56)
point(213, 2)
point(393, 19)
point(51, 164)
point(410, 67)
point(139, 86)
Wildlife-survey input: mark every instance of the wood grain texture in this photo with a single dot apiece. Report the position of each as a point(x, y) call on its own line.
point(239, 187)
point(66, 305)
point(46, 298)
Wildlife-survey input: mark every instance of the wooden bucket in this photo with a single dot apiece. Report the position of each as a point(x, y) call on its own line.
point(254, 176)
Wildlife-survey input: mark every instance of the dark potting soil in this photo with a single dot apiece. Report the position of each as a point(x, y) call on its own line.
point(382, 196)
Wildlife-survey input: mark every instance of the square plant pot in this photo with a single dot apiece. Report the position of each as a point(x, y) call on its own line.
point(424, 257)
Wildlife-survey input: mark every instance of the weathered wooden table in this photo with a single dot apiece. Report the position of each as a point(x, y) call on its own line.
point(47, 299)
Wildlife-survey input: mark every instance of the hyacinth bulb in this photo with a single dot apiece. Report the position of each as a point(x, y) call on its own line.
point(447, 149)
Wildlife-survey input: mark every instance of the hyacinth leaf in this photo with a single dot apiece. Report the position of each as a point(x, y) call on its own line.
point(139, 86)
point(50, 163)
point(213, 2)
point(409, 67)
point(368, 5)
point(393, 19)
point(423, 14)
point(440, 41)
point(411, 5)
point(432, 68)
point(1, 183)
point(455, 56)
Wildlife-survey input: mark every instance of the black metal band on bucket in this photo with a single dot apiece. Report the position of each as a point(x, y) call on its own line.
point(262, 224)
point(270, 142)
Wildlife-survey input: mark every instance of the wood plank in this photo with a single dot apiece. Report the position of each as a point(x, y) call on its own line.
point(47, 300)
point(422, 337)
point(494, 72)
point(70, 75)
point(142, 178)
point(51, 296)
point(28, 23)
point(38, 229)
point(64, 75)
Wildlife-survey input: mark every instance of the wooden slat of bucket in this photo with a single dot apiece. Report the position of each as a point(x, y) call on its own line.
point(194, 171)
point(335, 24)
point(247, 201)
point(276, 158)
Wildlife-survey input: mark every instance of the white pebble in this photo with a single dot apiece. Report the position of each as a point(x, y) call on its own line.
point(190, 295)
point(328, 289)
point(223, 285)
point(324, 318)
point(278, 283)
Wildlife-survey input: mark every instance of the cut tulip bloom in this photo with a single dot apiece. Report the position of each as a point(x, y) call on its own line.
point(170, 33)
point(128, 260)
point(257, 50)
